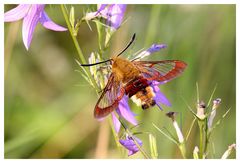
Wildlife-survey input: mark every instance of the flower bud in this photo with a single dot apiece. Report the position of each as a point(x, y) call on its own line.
point(201, 110)
point(216, 104)
point(175, 124)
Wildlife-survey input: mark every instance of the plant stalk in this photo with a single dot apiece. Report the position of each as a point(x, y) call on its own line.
point(81, 56)
point(201, 130)
point(182, 148)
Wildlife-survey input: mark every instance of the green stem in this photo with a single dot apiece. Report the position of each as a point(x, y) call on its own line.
point(201, 124)
point(81, 56)
point(72, 34)
point(182, 148)
point(207, 136)
point(130, 134)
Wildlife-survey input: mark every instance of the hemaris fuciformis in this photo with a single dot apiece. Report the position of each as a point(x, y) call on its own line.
point(134, 78)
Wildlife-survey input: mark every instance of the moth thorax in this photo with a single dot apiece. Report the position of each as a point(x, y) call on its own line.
point(124, 70)
point(144, 98)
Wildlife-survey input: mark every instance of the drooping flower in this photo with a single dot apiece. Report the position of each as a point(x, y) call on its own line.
point(124, 111)
point(31, 15)
point(129, 144)
point(113, 13)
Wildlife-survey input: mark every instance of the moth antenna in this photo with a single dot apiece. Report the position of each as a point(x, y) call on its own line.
point(93, 64)
point(131, 41)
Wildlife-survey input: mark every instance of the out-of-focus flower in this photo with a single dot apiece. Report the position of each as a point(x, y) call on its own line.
point(31, 15)
point(201, 110)
point(113, 13)
point(175, 124)
point(216, 104)
point(195, 152)
point(230, 149)
point(129, 144)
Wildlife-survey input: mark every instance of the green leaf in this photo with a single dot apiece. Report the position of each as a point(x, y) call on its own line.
point(190, 129)
point(153, 146)
point(210, 99)
point(109, 34)
point(197, 92)
point(220, 120)
point(84, 74)
point(72, 17)
point(169, 137)
point(190, 109)
point(100, 30)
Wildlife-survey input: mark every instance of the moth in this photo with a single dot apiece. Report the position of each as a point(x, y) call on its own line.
point(134, 78)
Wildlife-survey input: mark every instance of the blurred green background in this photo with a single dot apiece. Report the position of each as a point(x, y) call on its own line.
point(49, 106)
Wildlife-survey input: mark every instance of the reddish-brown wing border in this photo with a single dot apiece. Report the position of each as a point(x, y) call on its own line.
point(161, 71)
point(109, 99)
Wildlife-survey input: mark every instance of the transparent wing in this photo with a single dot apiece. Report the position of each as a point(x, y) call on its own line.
point(161, 71)
point(109, 99)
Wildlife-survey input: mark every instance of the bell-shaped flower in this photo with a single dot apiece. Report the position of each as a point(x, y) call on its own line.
point(124, 111)
point(113, 13)
point(31, 15)
point(129, 144)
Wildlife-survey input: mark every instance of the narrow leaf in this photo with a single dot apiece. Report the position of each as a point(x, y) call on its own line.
point(72, 17)
point(153, 146)
point(220, 120)
point(170, 138)
point(210, 99)
point(190, 129)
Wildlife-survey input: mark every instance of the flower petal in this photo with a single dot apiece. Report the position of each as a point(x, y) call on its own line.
point(116, 13)
point(101, 8)
point(160, 97)
point(49, 24)
point(16, 13)
point(29, 23)
point(116, 123)
point(129, 144)
point(124, 111)
point(131, 153)
point(154, 48)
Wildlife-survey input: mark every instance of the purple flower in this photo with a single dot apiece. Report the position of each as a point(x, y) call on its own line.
point(31, 15)
point(159, 96)
point(124, 111)
point(154, 48)
point(113, 13)
point(129, 144)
